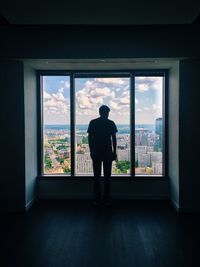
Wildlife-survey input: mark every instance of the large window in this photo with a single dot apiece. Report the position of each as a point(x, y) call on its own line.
point(148, 125)
point(68, 103)
point(56, 124)
point(91, 93)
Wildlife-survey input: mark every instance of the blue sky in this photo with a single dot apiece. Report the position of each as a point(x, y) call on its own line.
point(91, 93)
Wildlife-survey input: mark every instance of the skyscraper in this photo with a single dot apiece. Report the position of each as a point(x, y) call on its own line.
point(158, 134)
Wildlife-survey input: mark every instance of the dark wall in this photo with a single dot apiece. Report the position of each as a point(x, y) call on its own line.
point(189, 134)
point(12, 181)
point(99, 41)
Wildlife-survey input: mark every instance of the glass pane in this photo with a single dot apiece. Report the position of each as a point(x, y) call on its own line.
point(148, 125)
point(56, 124)
point(91, 93)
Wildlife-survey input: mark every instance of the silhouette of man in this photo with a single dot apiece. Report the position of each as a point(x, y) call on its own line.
point(102, 143)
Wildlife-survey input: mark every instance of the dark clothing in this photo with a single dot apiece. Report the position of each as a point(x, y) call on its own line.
point(101, 131)
point(107, 166)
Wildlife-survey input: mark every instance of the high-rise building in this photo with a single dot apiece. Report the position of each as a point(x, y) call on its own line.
point(124, 154)
point(158, 134)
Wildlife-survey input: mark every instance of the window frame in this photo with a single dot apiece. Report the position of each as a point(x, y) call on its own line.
point(130, 73)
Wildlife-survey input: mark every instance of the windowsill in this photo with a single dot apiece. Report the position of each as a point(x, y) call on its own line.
point(122, 177)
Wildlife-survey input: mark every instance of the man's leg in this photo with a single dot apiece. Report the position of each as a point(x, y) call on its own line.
point(97, 174)
point(107, 167)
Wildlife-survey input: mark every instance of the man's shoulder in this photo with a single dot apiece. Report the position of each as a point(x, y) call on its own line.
point(111, 122)
point(94, 120)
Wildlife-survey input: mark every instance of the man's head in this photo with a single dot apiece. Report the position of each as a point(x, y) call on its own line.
point(104, 111)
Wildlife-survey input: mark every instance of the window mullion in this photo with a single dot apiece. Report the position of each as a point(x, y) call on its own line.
point(72, 123)
point(132, 123)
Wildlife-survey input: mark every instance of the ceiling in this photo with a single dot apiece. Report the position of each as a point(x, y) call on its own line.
point(103, 12)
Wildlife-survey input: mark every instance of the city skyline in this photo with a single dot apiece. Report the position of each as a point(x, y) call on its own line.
point(148, 150)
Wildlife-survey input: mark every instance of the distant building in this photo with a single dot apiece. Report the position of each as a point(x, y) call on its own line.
point(157, 168)
point(158, 134)
point(84, 164)
point(79, 139)
point(155, 156)
point(123, 154)
point(143, 160)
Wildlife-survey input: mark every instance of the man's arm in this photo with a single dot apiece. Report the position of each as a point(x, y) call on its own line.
point(114, 144)
point(90, 140)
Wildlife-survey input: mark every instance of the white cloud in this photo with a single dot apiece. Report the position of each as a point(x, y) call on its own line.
point(154, 106)
point(114, 105)
point(61, 90)
point(124, 101)
point(84, 102)
point(65, 84)
point(114, 81)
point(144, 84)
point(59, 96)
point(46, 95)
point(56, 104)
point(100, 92)
point(97, 100)
point(142, 87)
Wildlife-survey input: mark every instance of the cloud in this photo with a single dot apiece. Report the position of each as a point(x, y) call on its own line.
point(114, 105)
point(59, 96)
point(154, 106)
point(46, 95)
point(61, 90)
point(56, 103)
point(100, 92)
point(144, 84)
point(142, 87)
point(65, 84)
point(91, 96)
point(114, 81)
point(84, 102)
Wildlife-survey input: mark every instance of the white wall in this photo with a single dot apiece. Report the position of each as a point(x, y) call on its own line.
point(173, 133)
point(30, 102)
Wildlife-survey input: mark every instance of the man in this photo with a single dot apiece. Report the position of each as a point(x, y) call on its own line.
point(102, 143)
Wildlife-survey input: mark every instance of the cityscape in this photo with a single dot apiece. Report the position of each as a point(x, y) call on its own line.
point(148, 150)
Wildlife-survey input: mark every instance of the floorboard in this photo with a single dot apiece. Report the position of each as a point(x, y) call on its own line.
point(74, 233)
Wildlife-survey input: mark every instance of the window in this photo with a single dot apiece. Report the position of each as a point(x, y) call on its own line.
point(91, 93)
point(56, 124)
point(68, 103)
point(148, 125)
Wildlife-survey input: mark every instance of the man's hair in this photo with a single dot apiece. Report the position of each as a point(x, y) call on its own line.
point(104, 109)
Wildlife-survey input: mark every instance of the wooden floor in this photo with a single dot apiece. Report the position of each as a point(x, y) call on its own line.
point(74, 233)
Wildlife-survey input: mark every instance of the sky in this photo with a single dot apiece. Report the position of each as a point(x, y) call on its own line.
point(91, 93)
